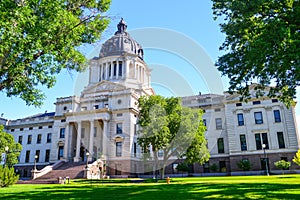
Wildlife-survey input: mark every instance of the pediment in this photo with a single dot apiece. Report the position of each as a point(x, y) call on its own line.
point(103, 86)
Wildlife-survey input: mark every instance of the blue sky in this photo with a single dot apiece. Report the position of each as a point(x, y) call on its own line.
point(191, 19)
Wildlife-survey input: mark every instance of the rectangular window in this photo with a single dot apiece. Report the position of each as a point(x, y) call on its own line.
point(29, 139)
point(50, 126)
point(134, 149)
point(62, 133)
point(120, 69)
point(47, 155)
point(115, 69)
point(274, 100)
point(49, 135)
point(240, 118)
point(256, 102)
point(204, 122)
point(222, 166)
point(218, 110)
point(135, 129)
point(40, 127)
point(119, 149)
point(160, 153)
point(82, 132)
point(243, 142)
point(60, 152)
point(260, 139)
point(258, 117)
point(220, 145)
point(27, 156)
point(39, 139)
point(218, 123)
point(37, 157)
point(12, 130)
point(238, 104)
point(30, 128)
point(277, 117)
point(95, 131)
point(20, 139)
point(119, 128)
point(280, 138)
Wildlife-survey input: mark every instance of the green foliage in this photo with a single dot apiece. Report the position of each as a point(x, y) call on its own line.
point(184, 167)
point(262, 45)
point(282, 164)
point(297, 158)
point(7, 176)
point(40, 38)
point(14, 149)
point(167, 126)
point(244, 164)
point(213, 167)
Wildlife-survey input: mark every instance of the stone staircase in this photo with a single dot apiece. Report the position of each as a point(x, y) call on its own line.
point(67, 169)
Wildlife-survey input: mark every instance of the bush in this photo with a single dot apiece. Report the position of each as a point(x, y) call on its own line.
point(7, 176)
point(244, 164)
point(282, 164)
point(213, 167)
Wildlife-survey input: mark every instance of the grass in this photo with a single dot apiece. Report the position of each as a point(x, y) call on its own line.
point(238, 187)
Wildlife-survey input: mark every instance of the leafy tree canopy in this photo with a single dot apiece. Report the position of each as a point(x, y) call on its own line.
point(168, 127)
point(262, 45)
point(13, 149)
point(40, 38)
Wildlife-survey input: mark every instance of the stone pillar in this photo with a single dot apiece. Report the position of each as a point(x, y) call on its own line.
point(105, 138)
point(117, 70)
point(91, 143)
point(106, 71)
point(77, 155)
point(66, 146)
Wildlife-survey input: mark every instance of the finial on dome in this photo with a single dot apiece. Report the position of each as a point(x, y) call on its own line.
point(122, 26)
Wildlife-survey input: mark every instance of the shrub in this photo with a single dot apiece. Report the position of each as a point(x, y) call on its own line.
point(282, 164)
point(297, 158)
point(213, 167)
point(7, 176)
point(244, 164)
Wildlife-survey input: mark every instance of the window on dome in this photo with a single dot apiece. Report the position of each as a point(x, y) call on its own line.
point(120, 69)
point(115, 69)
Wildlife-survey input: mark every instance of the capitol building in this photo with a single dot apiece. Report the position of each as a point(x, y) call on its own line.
point(103, 122)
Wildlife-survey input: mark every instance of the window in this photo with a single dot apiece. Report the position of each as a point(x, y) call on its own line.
point(280, 138)
point(115, 69)
point(174, 168)
point(37, 153)
point(243, 142)
point(258, 117)
point(95, 131)
point(62, 133)
point(39, 139)
point(238, 104)
point(65, 107)
point(222, 166)
point(12, 130)
point(119, 128)
point(217, 109)
point(50, 126)
point(120, 69)
point(49, 135)
point(29, 139)
point(261, 138)
point(96, 106)
point(220, 145)
point(119, 149)
point(30, 128)
point(160, 153)
point(63, 120)
point(20, 139)
point(134, 149)
point(240, 118)
point(256, 102)
point(119, 115)
point(60, 152)
point(135, 129)
point(204, 122)
point(40, 127)
point(27, 156)
point(21, 129)
point(218, 123)
point(82, 132)
point(277, 117)
point(47, 155)
point(274, 100)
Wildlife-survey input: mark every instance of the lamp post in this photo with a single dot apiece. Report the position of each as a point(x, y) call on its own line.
point(87, 159)
point(265, 158)
point(35, 158)
point(6, 152)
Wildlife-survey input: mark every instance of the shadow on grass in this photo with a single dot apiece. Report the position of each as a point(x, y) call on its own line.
point(157, 191)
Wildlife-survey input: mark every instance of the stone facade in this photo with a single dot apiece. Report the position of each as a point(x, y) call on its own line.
point(102, 121)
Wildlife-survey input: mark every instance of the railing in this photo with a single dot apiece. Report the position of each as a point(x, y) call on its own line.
point(38, 173)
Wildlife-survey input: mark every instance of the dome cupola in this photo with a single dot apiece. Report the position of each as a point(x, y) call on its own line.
point(121, 43)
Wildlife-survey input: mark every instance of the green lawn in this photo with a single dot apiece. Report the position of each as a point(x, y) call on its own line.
point(238, 187)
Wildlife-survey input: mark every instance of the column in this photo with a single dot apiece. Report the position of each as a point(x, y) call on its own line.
point(111, 66)
point(106, 71)
point(100, 73)
point(77, 155)
point(91, 143)
point(104, 139)
point(66, 146)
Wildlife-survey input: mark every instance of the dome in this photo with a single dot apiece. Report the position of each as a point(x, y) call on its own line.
point(121, 43)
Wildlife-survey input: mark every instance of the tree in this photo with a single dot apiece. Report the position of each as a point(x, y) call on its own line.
point(172, 130)
point(7, 176)
point(9, 148)
point(297, 158)
point(282, 164)
point(183, 167)
point(244, 164)
point(262, 45)
point(40, 38)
